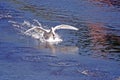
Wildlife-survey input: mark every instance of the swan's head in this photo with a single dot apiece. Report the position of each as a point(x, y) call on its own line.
point(53, 31)
point(53, 37)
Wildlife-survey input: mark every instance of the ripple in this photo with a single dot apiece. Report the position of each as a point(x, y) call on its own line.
point(94, 73)
point(66, 63)
point(40, 58)
point(8, 13)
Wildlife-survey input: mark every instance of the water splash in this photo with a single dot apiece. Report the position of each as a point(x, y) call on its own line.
point(26, 25)
point(38, 31)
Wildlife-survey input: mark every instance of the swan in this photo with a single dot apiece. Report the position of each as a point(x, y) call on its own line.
point(50, 35)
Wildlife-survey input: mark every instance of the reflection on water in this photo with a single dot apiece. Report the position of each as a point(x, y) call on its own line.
point(48, 13)
point(106, 44)
point(55, 49)
point(94, 38)
point(22, 57)
point(109, 2)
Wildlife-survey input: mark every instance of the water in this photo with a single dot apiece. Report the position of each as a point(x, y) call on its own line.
point(92, 53)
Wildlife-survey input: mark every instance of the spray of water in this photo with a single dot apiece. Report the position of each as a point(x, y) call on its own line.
point(39, 32)
point(34, 30)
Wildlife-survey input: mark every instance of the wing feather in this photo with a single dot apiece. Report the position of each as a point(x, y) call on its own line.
point(37, 29)
point(65, 27)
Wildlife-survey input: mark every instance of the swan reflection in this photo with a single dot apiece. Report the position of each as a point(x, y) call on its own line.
point(57, 49)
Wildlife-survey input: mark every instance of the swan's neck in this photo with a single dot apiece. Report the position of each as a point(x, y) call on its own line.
point(51, 36)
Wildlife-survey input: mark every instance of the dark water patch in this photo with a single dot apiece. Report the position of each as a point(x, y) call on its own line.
point(7, 12)
point(95, 40)
point(47, 13)
point(115, 3)
point(51, 14)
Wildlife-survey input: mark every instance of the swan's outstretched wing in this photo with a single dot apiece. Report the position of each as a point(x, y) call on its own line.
point(37, 22)
point(64, 27)
point(37, 29)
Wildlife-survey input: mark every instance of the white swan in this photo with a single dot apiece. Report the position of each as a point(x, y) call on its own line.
point(49, 35)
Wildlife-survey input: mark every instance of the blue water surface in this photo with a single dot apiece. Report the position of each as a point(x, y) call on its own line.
point(91, 53)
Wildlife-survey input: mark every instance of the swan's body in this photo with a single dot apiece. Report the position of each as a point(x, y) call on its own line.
point(50, 35)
